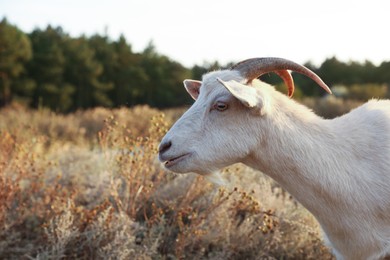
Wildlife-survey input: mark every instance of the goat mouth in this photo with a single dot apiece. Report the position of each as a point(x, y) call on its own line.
point(175, 160)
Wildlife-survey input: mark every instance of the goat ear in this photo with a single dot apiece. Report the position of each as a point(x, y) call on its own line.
point(247, 95)
point(192, 87)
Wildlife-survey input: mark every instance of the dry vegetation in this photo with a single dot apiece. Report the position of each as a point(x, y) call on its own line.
point(88, 186)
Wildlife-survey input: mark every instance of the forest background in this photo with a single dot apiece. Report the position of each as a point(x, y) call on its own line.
point(49, 68)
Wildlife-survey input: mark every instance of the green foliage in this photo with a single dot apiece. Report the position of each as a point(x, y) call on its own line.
point(164, 78)
point(384, 72)
point(15, 50)
point(48, 68)
point(334, 71)
point(83, 70)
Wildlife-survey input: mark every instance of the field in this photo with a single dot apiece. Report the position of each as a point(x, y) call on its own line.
point(88, 185)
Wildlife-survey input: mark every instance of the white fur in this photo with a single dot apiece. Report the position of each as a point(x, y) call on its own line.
point(338, 169)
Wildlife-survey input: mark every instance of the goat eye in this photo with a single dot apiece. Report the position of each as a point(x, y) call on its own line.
point(220, 106)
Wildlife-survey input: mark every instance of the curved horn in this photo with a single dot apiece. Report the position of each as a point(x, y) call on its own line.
point(288, 80)
point(254, 68)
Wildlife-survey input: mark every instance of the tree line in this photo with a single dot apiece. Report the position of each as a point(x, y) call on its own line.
point(49, 68)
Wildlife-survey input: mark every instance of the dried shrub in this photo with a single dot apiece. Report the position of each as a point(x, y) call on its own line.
point(88, 186)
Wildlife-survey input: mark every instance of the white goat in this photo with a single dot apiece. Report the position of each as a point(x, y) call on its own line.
point(338, 169)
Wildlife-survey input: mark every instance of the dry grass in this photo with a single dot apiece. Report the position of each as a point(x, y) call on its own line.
point(88, 186)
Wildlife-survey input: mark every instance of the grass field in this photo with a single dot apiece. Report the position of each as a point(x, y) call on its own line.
point(88, 185)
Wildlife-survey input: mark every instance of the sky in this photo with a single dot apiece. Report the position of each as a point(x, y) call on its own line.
point(195, 32)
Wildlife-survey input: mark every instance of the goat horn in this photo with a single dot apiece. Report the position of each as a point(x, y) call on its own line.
point(288, 80)
point(254, 68)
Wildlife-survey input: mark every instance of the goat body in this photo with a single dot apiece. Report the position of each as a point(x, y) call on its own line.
point(338, 169)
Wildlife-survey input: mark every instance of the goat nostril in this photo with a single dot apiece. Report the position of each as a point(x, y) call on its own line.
point(164, 146)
